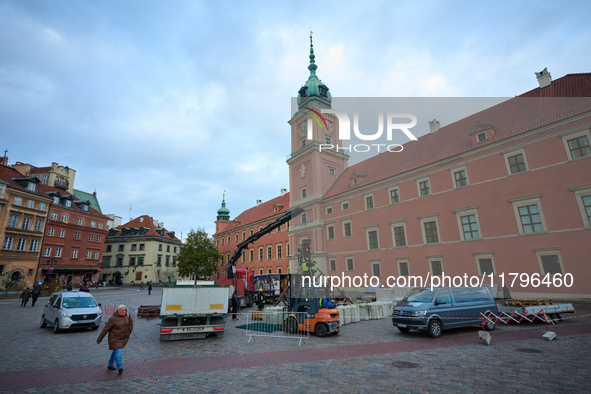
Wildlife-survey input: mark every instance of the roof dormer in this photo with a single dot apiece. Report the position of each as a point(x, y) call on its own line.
point(357, 179)
point(482, 132)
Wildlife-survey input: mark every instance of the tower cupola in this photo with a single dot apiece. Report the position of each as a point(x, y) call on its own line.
point(223, 212)
point(314, 90)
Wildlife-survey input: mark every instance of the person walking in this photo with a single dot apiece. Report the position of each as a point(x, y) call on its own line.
point(235, 305)
point(25, 296)
point(35, 294)
point(142, 285)
point(119, 328)
point(150, 288)
point(70, 286)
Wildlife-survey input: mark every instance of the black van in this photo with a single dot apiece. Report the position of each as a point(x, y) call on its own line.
point(441, 308)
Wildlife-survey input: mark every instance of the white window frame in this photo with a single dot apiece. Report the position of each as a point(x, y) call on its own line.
point(54, 216)
point(58, 252)
point(581, 192)
point(367, 231)
point(64, 218)
point(419, 186)
point(402, 261)
point(21, 245)
point(524, 201)
point(79, 221)
point(38, 225)
point(92, 223)
point(278, 248)
point(269, 250)
point(390, 190)
point(465, 212)
point(328, 227)
point(261, 253)
point(571, 136)
point(490, 256)
point(50, 232)
point(393, 225)
point(304, 192)
point(47, 252)
point(96, 255)
point(31, 204)
point(373, 202)
point(515, 153)
point(74, 253)
point(343, 205)
point(88, 255)
point(42, 206)
point(343, 222)
point(34, 245)
point(373, 264)
point(332, 262)
point(430, 218)
point(347, 258)
point(548, 252)
point(329, 210)
point(62, 233)
point(453, 176)
point(435, 258)
point(18, 201)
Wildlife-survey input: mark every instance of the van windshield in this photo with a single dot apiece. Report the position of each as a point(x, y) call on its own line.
point(420, 295)
point(79, 302)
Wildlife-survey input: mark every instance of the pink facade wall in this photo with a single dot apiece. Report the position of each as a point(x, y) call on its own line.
point(549, 177)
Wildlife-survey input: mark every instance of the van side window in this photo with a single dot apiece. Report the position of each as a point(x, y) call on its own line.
point(445, 296)
point(57, 302)
point(470, 294)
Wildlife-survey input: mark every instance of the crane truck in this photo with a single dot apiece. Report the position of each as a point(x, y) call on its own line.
point(318, 318)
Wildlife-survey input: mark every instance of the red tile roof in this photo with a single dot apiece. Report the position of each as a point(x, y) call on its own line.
point(566, 97)
point(146, 222)
point(8, 173)
point(262, 212)
point(40, 169)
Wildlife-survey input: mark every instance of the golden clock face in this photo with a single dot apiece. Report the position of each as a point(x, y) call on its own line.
point(329, 123)
point(303, 128)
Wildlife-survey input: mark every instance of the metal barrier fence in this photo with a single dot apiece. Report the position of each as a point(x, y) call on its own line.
point(111, 307)
point(277, 324)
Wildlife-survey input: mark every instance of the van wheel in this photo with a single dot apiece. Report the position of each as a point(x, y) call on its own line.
point(43, 323)
point(320, 330)
point(56, 327)
point(404, 329)
point(435, 328)
point(489, 325)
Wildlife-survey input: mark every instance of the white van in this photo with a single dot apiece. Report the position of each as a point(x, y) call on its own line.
point(71, 309)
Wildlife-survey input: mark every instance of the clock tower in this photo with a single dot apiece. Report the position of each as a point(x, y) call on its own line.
point(313, 165)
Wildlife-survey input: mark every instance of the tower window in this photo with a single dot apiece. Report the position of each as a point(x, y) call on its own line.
point(303, 143)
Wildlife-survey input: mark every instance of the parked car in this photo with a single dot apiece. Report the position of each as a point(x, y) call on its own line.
point(438, 309)
point(71, 309)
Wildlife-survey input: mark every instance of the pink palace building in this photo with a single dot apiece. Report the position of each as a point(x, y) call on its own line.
point(506, 190)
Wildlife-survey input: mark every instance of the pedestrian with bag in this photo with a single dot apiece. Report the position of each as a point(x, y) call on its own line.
point(35, 294)
point(119, 328)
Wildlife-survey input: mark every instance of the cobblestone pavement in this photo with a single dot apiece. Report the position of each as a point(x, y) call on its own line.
point(370, 356)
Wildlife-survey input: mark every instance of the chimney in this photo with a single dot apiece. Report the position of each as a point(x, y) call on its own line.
point(434, 125)
point(259, 202)
point(283, 191)
point(544, 78)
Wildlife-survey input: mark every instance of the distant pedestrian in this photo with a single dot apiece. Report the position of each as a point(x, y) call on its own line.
point(25, 296)
point(235, 305)
point(150, 288)
point(142, 285)
point(120, 281)
point(70, 286)
point(119, 328)
point(35, 294)
point(85, 282)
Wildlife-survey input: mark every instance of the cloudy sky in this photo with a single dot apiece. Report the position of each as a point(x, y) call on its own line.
point(163, 105)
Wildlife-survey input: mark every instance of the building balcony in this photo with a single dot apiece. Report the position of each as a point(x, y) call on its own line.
point(60, 184)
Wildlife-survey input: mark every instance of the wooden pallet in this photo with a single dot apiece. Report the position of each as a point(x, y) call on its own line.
point(523, 303)
point(148, 311)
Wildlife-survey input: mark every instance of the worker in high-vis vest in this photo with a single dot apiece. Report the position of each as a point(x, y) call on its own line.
point(305, 268)
point(261, 300)
point(313, 268)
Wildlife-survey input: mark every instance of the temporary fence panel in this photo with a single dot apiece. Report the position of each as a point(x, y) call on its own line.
point(274, 322)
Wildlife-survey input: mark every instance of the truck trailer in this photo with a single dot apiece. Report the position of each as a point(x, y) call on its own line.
point(193, 312)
